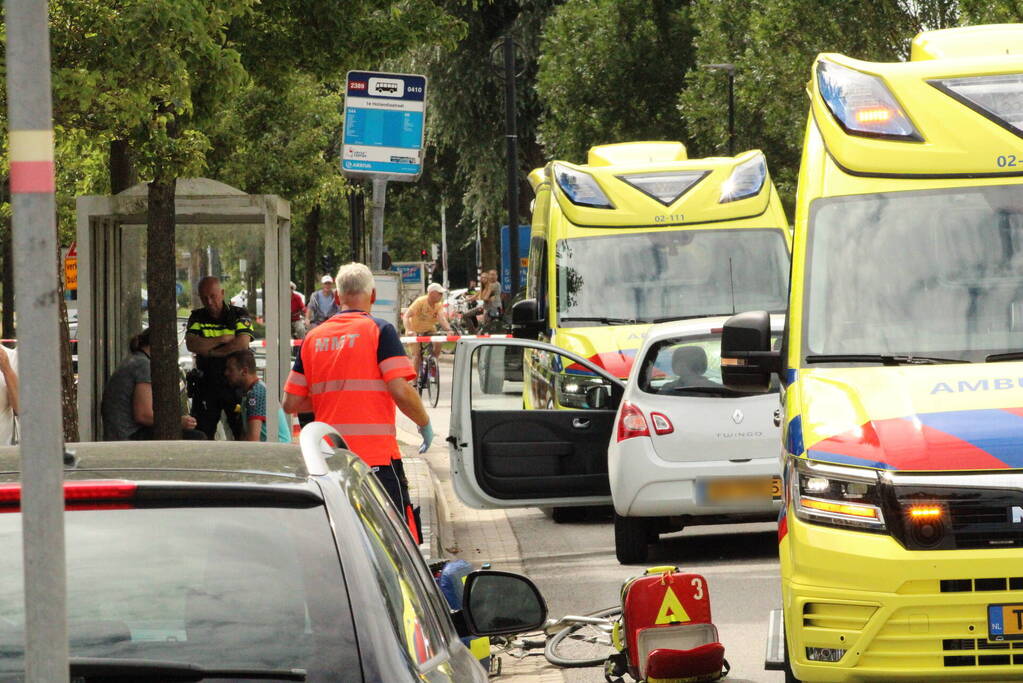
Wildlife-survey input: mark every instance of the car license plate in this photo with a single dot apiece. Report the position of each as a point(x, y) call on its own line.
point(1005, 622)
point(732, 490)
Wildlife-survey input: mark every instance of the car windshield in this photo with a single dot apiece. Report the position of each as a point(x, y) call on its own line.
point(689, 365)
point(220, 587)
point(934, 273)
point(656, 276)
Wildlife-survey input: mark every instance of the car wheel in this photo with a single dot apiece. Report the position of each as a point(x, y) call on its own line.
point(632, 538)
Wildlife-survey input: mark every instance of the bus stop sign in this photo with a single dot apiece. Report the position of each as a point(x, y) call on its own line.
point(383, 132)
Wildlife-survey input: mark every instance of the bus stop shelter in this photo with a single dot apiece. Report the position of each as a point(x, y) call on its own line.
point(241, 238)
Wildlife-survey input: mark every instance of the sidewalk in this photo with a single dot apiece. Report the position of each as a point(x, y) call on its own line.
point(456, 531)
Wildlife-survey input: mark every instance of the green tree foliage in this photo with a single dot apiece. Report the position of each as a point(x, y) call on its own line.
point(610, 71)
point(772, 44)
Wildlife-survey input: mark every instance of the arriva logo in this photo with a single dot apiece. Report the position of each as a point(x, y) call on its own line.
point(993, 384)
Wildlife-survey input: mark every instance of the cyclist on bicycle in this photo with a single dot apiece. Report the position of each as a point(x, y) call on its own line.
point(422, 318)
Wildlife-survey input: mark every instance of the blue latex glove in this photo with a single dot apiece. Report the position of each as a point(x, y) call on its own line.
point(426, 431)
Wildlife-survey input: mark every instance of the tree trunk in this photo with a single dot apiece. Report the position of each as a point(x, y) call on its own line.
point(312, 250)
point(6, 235)
point(122, 169)
point(163, 309)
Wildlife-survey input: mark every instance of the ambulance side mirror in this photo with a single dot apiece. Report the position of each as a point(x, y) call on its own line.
point(747, 360)
point(525, 319)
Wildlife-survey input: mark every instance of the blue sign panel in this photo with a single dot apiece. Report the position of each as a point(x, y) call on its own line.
point(411, 273)
point(506, 257)
point(383, 133)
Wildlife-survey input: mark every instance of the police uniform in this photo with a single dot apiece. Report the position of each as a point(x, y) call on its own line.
point(213, 393)
point(343, 367)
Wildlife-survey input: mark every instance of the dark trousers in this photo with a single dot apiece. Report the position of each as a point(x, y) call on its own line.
point(392, 478)
point(146, 434)
point(207, 405)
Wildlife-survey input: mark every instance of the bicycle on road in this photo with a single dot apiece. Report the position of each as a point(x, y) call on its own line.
point(569, 642)
point(428, 377)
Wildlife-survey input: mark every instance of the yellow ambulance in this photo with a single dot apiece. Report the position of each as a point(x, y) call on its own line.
point(641, 234)
point(901, 540)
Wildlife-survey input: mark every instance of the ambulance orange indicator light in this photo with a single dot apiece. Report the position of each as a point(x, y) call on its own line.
point(921, 513)
point(848, 509)
point(873, 115)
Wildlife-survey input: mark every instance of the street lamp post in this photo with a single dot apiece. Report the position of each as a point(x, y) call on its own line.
point(729, 70)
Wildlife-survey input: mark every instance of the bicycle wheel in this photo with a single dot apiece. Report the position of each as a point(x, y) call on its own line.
point(433, 381)
point(581, 645)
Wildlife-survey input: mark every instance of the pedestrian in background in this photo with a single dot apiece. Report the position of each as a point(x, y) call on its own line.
point(127, 404)
point(9, 392)
point(241, 373)
point(297, 314)
point(323, 303)
point(213, 333)
point(351, 373)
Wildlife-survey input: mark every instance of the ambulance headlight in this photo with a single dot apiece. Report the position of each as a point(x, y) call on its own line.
point(581, 188)
point(746, 180)
point(837, 496)
point(862, 104)
point(1000, 97)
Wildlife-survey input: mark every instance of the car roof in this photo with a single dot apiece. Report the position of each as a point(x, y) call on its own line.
point(698, 326)
point(189, 461)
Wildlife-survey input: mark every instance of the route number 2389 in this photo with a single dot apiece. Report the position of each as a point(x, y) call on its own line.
point(1008, 161)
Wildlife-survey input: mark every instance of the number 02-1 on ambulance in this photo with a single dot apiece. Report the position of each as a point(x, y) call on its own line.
point(901, 541)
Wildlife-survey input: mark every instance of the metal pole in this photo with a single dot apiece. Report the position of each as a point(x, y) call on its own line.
point(731, 112)
point(513, 172)
point(444, 243)
point(35, 280)
point(377, 240)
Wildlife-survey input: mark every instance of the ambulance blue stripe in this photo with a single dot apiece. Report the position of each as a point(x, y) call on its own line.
point(794, 436)
point(841, 459)
point(997, 432)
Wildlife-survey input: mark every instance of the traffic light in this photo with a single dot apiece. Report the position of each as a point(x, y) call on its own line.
point(422, 253)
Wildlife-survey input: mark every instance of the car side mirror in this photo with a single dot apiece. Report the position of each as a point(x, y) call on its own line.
point(497, 603)
point(525, 318)
point(747, 360)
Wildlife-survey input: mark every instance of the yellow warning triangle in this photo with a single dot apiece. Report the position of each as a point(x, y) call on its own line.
point(672, 611)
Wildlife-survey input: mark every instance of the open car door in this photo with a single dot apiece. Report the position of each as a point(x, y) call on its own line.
point(530, 425)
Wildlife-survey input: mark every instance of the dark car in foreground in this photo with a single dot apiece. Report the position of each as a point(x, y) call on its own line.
point(229, 561)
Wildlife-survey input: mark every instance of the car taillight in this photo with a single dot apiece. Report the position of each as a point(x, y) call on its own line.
point(631, 423)
point(662, 425)
point(77, 494)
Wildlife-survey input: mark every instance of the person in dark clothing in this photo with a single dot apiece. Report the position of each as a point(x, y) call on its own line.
point(127, 404)
point(214, 332)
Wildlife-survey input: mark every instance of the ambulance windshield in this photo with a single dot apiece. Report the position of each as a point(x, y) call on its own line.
point(929, 273)
point(657, 276)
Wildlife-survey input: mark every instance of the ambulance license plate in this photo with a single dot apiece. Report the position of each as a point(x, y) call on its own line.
point(1005, 622)
point(733, 490)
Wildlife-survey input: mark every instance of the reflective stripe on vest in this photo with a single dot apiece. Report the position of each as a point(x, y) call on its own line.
point(346, 387)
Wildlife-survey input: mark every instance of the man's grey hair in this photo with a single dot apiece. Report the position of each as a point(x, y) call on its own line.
point(354, 278)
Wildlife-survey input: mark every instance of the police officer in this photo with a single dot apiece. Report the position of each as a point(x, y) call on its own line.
point(214, 332)
point(351, 373)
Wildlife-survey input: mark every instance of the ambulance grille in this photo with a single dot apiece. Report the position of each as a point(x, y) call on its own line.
point(976, 518)
point(1012, 583)
point(837, 615)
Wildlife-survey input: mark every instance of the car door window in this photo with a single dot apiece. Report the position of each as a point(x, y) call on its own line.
point(507, 377)
point(409, 607)
point(689, 364)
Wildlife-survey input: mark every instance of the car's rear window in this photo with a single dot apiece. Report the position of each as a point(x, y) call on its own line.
point(252, 587)
point(689, 365)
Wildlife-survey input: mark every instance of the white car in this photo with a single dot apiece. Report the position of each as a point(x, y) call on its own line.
point(688, 450)
point(510, 448)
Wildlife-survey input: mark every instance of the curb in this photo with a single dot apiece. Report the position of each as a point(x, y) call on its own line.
point(426, 491)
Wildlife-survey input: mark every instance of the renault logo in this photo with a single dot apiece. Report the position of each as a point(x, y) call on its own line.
point(1016, 514)
point(737, 416)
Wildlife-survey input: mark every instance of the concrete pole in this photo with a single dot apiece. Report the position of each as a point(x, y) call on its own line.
point(35, 282)
point(377, 244)
point(444, 243)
